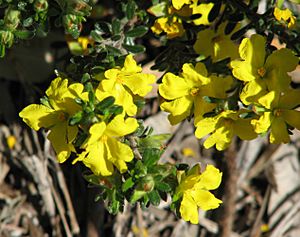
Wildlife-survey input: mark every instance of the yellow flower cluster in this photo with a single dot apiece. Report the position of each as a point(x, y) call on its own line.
point(194, 190)
point(171, 21)
point(266, 90)
point(285, 16)
point(103, 149)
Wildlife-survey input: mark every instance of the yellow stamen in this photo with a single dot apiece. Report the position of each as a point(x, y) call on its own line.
point(104, 138)
point(194, 91)
point(261, 71)
point(277, 112)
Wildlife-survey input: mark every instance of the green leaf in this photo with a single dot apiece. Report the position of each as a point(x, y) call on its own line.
point(2, 51)
point(114, 51)
point(158, 10)
point(151, 156)
point(127, 184)
point(137, 31)
point(134, 48)
point(137, 194)
point(164, 187)
point(24, 34)
point(105, 103)
point(76, 118)
point(116, 26)
point(86, 77)
point(27, 22)
point(154, 198)
point(130, 9)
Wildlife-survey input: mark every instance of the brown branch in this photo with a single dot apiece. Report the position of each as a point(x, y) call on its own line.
point(230, 191)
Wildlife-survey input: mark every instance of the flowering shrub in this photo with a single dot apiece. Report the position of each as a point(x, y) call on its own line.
point(230, 83)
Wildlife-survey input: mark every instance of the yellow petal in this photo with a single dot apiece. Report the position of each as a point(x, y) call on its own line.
point(279, 133)
point(242, 70)
point(253, 51)
point(38, 116)
point(95, 158)
point(139, 84)
point(61, 137)
point(269, 100)
point(210, 179)
point(177, 4)
point(130, 65)
point(96, 132)
point(178, 106)
point(173, 87)
point(292, 117)
point(120, 127)
point(205, 200)
point(253, 91)
point(188, 209)
point(195, 76)
point(205, 126)
point(262, 124)
point(203, 9)
point(243, 129)
point(119, 154)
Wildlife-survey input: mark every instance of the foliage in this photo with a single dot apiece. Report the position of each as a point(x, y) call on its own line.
point(228, 82)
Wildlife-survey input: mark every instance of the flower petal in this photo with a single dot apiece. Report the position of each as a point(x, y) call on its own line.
point(279, 133)
point(178, 106)
point(205, 200)
point(188, 209)
point(119, 153)
point(130, 65)
point(262, 124)
point(120, 127)
point(292, 117)
point(210, 179)
point(38, 116)
point(173, 87)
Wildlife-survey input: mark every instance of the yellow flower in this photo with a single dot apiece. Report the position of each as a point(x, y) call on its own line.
point(194, 190)
point(278, 113)
point(202, 9)
point(262, 75)
point(171, 26)
point(79, 46)
point(184, 94)
point(223, 127)
point(103, 150)
point(178, 4)
point(216, 44)
point(286, 16)
point(124, 83)
point(55, 116)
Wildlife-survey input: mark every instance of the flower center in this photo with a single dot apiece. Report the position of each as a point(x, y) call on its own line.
point(261, 71)
point(104, 138)
point(194, 91)
point(217, 39)
point(62, 116)
point(277, 112)
point(227, 122)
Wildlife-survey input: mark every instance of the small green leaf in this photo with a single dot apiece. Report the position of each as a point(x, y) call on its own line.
point(24, 34)
point(127, 184)
point(151, 156)
point(154, 198)
point(116, 26)
point(76, 118)
point(137, 31)
point(137, 194)
point(105, 103)
point(130, 9)
point(164, 187)
point(86, 77)
point(134, 48)
point(158, 10)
